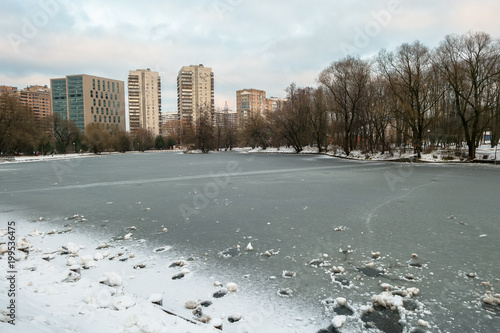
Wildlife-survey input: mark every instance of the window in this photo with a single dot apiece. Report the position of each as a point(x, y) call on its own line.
point(109, 103)
point(116, 97)
point(93, 84)
point(117, 87)
point(98, 84)
point(102, 94)
point(114, 104)
point(118, 104)
point(91, 109)
point(99, 102)
point(108, 86)
point(116, 111)
point(102, 110)
point(91, 94)
point(114, 119)
point(107, 94)
point(106, 110)
point(95, 118)
point(118, 120)
point(113, 85)
point(94, 102)
point(109, 118)
point(100, 118)
point(105, 118)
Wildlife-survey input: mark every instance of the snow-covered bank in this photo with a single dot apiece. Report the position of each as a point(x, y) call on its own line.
point(56, 157)
point(32, 158)
point(483, 153)
point(69, 282)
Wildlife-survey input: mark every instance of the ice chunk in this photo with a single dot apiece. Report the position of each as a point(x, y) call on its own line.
point(123, 302)
point(338, 321)
point(232, 287)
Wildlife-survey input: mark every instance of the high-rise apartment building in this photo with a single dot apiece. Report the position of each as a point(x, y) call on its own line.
point(274, 103)
point(250, 102)
point(8, 89)
point(38, 99)
point(144, 100)
point(195, 93)
point(87, 99)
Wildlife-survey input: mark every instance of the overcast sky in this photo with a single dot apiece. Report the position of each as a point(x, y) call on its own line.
point(262, 44)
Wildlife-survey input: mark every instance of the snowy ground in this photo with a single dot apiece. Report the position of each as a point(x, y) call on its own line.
point(32, 158)
point(67, 282)
point(484, 152)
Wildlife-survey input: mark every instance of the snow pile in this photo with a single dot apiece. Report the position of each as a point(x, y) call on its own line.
point(71, 288)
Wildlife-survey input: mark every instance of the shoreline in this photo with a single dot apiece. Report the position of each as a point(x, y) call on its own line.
point(438, 156)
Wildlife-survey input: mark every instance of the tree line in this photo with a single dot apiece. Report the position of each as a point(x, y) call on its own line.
point(409, 97)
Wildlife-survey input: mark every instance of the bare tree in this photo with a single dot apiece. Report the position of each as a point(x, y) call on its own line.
point(204, 132)
point(120, 141)
point(256, 132)
point(290, 121)
point(470, 65)
point(18, 128)
point(143, 140)
point(172, 129)
point(318, 118)
point(347, 83)
point(378, 117)
point(96, 138)
point(412, 79)
point(65, 132)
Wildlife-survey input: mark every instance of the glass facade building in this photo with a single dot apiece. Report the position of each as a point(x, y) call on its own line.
point(59, 102)
point(75, 100)
point(87, 99)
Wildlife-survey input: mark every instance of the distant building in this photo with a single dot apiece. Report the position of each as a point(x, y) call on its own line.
point(88, 99)
point(195, 93)
point(9, 89)
point(226, 118)
point(38, 99)
point(144, 100)
point(12, 91)
point(249, 102)
point(274, 103)
point(169, 124)
point(169, 116)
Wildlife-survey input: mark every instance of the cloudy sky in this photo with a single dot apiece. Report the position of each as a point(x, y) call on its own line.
point(262, 44)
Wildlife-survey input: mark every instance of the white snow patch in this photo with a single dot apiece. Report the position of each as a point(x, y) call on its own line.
point(338, 321)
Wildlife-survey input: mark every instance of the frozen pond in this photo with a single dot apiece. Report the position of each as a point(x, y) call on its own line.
point(436, 227)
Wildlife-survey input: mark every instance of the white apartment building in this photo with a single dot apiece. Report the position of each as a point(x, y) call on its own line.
point(144, 100)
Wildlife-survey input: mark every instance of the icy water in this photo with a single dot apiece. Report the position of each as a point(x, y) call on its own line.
point(297, 208)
